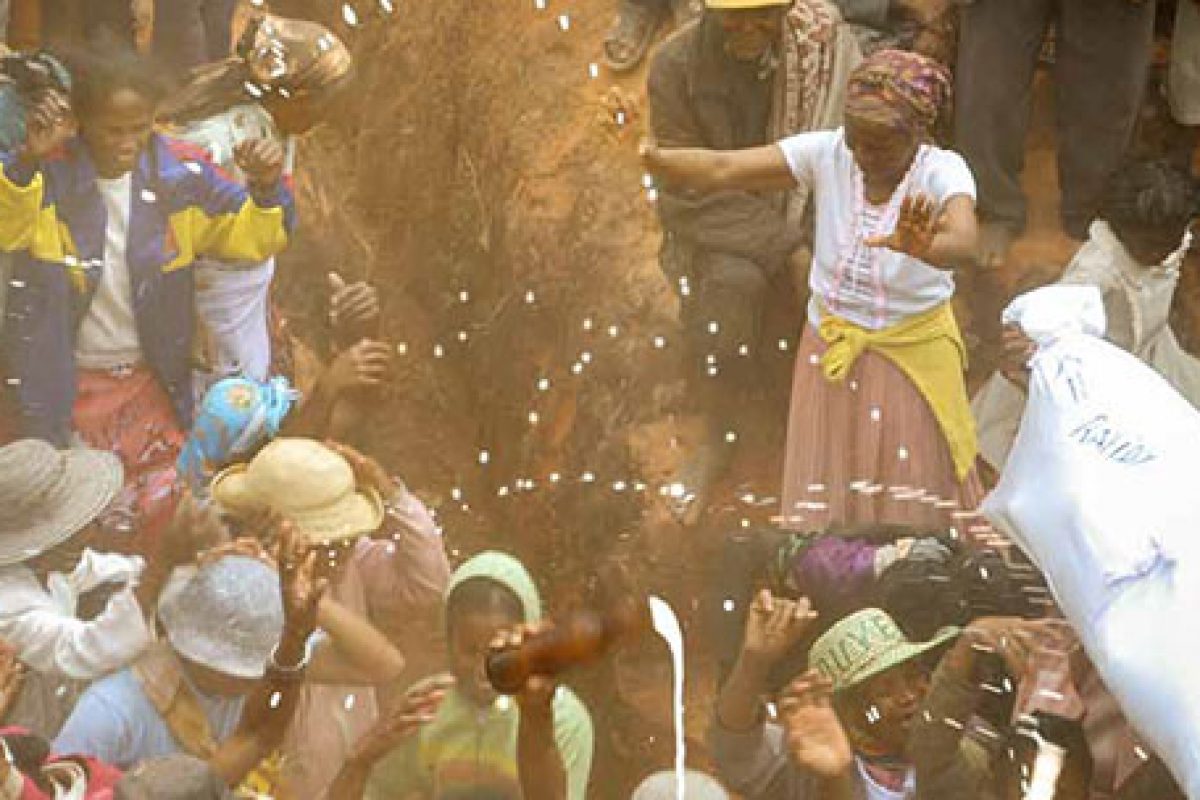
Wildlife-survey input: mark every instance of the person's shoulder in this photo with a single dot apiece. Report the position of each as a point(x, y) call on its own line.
point(671, 56)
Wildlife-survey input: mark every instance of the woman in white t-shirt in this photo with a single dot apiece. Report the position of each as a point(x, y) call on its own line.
point(880, 428)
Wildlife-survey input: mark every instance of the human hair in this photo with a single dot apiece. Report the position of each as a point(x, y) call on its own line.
point(1151, 204)
point(482, 595)
point(100, 73)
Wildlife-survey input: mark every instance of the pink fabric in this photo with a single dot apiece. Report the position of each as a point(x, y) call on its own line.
point(128, 413)
point(397, 581)
point(869, 450)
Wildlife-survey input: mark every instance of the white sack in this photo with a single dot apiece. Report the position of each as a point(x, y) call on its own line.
point(1101, 490)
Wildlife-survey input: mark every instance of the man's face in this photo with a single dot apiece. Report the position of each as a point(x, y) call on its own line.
point(117, 132)
point(885, 707)
point(750, 33)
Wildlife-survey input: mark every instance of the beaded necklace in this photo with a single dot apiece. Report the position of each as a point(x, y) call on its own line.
point(852, 252)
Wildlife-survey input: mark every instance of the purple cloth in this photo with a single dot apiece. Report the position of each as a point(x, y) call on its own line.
point(836, 574)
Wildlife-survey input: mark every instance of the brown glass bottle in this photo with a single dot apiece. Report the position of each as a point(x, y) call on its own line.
point(579, 638)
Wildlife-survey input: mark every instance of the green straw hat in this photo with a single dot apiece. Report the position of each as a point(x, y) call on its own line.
point(865, 644)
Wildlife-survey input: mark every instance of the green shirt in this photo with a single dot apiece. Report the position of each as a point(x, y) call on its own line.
point(468, 752)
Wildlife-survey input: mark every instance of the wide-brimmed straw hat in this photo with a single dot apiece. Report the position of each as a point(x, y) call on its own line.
point(48, 495)
point(227, 617)
point(865, 644)
point(744, 5)
point(306, 483)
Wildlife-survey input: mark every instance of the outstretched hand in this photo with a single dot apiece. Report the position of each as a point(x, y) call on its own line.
point(916, 228)
point(416, 708)
point(815, 736)
point(775, 625)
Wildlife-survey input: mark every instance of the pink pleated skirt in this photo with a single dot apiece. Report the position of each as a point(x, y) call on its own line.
point(869, 450)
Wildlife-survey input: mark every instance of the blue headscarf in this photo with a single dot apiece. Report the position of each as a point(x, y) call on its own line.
point(237, 416)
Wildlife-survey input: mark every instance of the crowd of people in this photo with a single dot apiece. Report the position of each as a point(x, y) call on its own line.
point(206, 592)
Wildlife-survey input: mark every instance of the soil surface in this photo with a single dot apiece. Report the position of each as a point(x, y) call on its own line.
point(488, 183)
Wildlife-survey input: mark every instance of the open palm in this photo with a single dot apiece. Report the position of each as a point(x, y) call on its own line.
point(815, 736)
point(915, 228)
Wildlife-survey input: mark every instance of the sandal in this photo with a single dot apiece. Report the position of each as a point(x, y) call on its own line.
point(630, 36)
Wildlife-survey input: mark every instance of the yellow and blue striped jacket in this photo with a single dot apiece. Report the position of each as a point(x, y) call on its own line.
point(54, 220)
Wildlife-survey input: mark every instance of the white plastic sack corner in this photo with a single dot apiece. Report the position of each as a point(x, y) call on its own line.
point(1101, 490)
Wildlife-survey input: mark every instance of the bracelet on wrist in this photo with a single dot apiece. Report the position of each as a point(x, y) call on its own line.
point(295, 669)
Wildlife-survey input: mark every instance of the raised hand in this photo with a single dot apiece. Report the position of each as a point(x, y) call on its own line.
point(815, 736)
point(775, 625)
point(262, 162)
point(353, 307)
point(367, 471)
point(49, 123)
point(365, 365)
point(915, 229)
point(195, 528)
point(416, 708)
point(537, 694)
point(302, 590)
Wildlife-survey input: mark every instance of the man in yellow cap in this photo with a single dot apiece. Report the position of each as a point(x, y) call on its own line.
point(734, 78)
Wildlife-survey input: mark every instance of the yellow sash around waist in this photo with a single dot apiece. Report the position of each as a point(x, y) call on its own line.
point(929, 349)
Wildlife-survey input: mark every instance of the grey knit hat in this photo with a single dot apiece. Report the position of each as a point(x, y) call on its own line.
point(696, 786)
point(176, 777)
point(47, 495)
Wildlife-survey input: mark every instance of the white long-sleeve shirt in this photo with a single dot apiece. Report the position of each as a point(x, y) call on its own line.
point(41, 622)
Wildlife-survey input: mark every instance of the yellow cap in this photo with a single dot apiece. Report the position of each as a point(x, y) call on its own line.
point(744, 5)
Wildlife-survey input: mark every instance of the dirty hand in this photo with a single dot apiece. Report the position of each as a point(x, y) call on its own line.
point(12, 676)
point(417, 707)
point(915, 229)
point(1018, 349)
point(195, 528)
point(775, 625)
point(366, 365)
point(815, 737)
point(262, 162)
point(302, 591)
point(368, 472)
point(537, 695)
point(49, 123)
point(353, 307)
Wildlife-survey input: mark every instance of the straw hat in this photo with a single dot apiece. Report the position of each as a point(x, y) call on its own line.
point(306, 483)
point(227, 617)
point(48, 495)
point(743, 5)
point(866, 643)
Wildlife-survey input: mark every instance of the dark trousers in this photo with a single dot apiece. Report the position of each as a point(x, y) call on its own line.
point(189, 33)
point(721, 314)
point(1100, 73)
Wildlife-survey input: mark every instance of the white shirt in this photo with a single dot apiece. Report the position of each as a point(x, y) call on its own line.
point(108, 335)
point(232, 299)
point(875, 791)
point(41, 622)
point(872, 287)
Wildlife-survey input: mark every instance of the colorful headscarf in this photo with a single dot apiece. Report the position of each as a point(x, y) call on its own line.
point(898, 88)
point(237, 416)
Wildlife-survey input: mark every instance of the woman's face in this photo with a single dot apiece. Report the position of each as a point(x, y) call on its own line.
point(117, 131)
point(470, 639)
point(883, 152)
point(750, 33)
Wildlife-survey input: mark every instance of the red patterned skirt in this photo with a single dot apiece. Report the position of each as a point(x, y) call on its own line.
point(127, 412)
